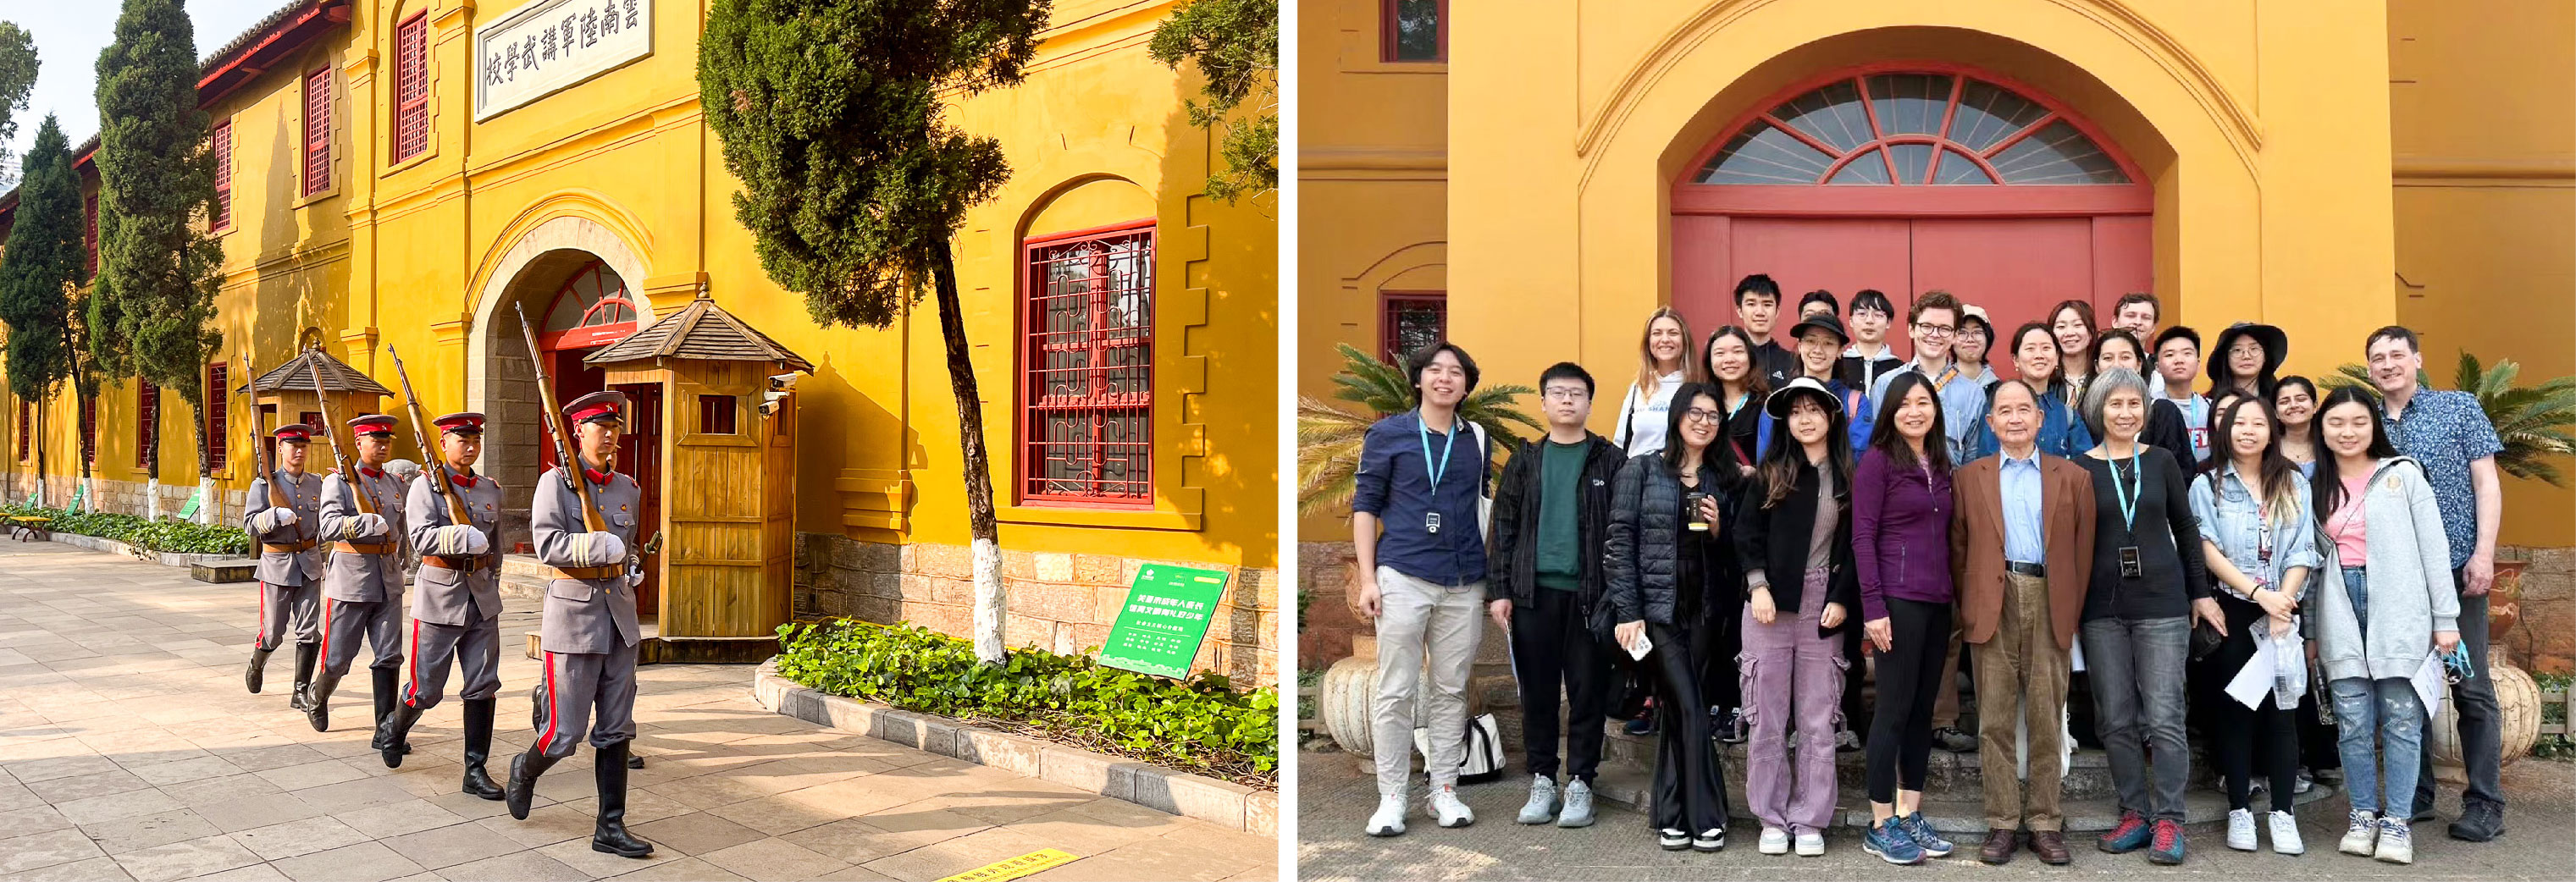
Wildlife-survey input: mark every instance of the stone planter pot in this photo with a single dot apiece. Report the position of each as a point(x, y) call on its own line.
point(2518, 710)
point(1349, 691)
point(2504, 601)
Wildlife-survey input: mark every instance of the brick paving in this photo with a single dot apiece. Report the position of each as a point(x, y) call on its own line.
point(129, 750)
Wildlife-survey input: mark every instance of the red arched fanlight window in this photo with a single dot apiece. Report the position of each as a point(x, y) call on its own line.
point(591, 309)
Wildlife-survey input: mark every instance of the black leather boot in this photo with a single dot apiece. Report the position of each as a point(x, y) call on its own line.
point(258, 670)
point(633, 761)
point(393, 737)
point(388, 694)
point(317, 706)
point(524, 770)
point(305, 655)
point(610, 835)
point(478, 747)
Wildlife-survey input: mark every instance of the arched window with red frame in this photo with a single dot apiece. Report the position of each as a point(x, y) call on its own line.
point(592, 308)
point(1087, 368)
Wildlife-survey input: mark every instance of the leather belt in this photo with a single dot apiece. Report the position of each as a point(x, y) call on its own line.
point(363, 547)
point(288, 548)
point(459, 564)
point(2035, 571)
point(584, 574)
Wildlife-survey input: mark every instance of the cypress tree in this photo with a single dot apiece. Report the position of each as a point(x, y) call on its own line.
point(17, 79)
point(829, 113)
point(1235, 44)
point(153, 309)
point(39, 266)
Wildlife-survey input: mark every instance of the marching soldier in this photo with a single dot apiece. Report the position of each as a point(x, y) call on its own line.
point(590, 632)
point(456, 607)
point(362, 591)
point(290, 566)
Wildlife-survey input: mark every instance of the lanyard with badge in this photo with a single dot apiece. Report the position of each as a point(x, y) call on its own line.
point(2132, 565)
point(1431, 519)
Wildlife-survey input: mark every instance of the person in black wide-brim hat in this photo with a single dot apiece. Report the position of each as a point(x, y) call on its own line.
point(2228, 367)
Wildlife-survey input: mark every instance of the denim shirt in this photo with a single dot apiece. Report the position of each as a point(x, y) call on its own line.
point(1962, 400)
point(2233, 518)
point(2061, 433)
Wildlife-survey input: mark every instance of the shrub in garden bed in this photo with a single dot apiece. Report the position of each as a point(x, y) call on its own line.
point(1202, 724)
point(144, 534)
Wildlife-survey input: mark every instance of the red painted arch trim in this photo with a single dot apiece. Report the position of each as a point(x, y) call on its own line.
point(1845, 200)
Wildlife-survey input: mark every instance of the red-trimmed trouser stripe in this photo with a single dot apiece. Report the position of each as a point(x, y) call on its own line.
point(262, 640)
point(326, 633)
point(545, 741)
point(411, 690)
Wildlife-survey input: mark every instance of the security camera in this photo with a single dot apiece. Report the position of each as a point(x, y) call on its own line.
point(782, 382)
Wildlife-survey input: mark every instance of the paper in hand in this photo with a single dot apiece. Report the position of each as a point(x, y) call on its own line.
point(2253, 681)
point(2431, 685)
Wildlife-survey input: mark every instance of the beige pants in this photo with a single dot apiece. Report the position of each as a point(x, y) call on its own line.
point(2022, 669)
point(1419, 624)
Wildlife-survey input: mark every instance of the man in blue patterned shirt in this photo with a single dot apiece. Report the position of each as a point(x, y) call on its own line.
point(2448, 432)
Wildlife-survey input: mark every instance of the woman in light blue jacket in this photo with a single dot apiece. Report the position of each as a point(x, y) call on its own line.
point(2385, 550)
point(2261, 548)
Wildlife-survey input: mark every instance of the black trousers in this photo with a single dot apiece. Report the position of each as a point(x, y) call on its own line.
point(1856, 674)
point(1690, 785)
point(1721, 631)
point(1554, 654)
point(1909, 681)
point(2241, 737)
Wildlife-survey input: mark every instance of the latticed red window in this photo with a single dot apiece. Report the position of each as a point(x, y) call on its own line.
point(1087, 360)
point(411, 87)
point(26, 429)
point(219, 216)
point(1412, 321)
point(1413, 30)
point(147, 412)
point(218, 415)
point(317, 131)
point(1900, 129)
point(89, 234)
point(89, 430)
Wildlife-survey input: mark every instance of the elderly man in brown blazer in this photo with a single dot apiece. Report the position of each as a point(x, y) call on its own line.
point(2023, 548)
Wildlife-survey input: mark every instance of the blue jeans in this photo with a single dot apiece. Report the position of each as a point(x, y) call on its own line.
point(2386, 709)
point(2137, 668)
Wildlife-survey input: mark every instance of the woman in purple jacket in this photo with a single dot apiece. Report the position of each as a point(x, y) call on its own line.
point(1901, 509)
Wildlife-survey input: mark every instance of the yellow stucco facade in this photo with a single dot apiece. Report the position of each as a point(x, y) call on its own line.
point(430, 253)
point(1531, 174)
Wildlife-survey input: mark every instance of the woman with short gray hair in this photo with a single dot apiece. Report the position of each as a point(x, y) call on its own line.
point(2138, 611)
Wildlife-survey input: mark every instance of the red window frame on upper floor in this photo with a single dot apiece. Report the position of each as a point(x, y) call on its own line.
point(411, 87)
point(147, 411)
point(218, 415)
point(317, 130)
point(1087, 368)
point(1393, 309)
point(89, 430)
point(219, 214)
point(26, 429)
point(1390, 32)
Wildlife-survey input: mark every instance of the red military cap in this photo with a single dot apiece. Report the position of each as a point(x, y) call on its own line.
point(294, 433)
point(599, 406)
point(462, 423)
point(372, 424)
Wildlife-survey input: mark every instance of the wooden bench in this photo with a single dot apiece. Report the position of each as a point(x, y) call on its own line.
point(29, 528)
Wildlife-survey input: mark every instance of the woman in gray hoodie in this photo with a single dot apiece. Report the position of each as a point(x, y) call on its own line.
point(2385, 549)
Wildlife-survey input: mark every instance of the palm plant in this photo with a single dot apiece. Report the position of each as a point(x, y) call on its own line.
point(2534, 422)
point(1328, 437)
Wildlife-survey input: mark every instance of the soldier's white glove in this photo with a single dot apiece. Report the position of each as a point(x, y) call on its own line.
point(598, 549)
point(368, 524)
point(634, 579)
point(270, 519)
point(456, 540)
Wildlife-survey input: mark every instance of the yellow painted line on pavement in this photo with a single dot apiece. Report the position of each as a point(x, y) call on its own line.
point(1016, 867)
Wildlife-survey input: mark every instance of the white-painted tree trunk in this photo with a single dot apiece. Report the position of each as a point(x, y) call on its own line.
point(205, 499)
point(89, 493)
point(40, 491)
point(989, 607)
point(152, 498)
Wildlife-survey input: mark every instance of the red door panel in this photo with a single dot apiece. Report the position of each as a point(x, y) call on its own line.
point(2015, 268)
point(2123, 260)
point(1804, 254)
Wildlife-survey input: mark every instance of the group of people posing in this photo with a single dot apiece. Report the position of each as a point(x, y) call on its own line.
point(1765, 518)
point(333, 550)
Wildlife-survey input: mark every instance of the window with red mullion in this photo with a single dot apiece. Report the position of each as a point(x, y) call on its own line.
point(26, 429)
point(1087, 397)
point(317, 131)
point(89, 234)
point(218, 416)
point(219, 216)
point(89, 430)
point(1391, 31)
point(411, 87)
point(1411, 320)
point(147, 409)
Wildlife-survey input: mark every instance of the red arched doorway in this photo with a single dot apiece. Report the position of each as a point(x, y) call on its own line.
point(592, 309)
point(1909, 177)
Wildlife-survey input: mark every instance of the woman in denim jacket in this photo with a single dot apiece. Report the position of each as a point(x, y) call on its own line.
point(2261, 548)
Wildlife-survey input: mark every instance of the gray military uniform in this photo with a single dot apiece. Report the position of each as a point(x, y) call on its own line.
point(290, 583)
point(455, 615)
point(590, 630)
point(361, 592)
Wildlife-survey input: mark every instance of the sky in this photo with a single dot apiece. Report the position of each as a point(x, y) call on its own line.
point(70, 34)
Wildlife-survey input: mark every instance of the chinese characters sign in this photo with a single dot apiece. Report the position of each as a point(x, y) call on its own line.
point(1165, 619)
point(551, 45)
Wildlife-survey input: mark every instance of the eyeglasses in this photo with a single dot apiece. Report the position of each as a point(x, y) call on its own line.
point(1933, 330)
point(1565, 394)
point(1700, 415)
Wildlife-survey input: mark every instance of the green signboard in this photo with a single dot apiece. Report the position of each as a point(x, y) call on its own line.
point(194, 500)
point(1164, 620)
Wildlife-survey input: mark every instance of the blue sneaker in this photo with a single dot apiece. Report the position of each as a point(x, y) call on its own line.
point(1888, 841)
point(2168, 846)
point(2130, 836)
point(1920, 830)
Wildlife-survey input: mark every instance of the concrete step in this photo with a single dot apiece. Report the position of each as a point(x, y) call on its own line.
point(1959, 812)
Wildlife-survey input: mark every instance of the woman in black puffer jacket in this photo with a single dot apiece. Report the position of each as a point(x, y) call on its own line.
point(1659, 567)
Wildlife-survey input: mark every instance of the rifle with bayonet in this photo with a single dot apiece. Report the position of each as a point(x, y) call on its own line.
point(330, 429)
point(260, 448)
point(440, 480)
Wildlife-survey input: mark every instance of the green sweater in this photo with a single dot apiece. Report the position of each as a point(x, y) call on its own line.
point(1560, 488)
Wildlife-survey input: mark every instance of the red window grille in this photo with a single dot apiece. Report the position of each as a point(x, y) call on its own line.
point(317, 131)
point(1087, 363)
point(218, 416)
point(411, 87)
point(219, 215)
point(1412, 321)
point(1413, 30)
point(89, 430)
point(593, 308)
point(1904, 128)
point(26, 429)
point(147, 412)
point(716, 415)
point(312, 419)
point(89, 234)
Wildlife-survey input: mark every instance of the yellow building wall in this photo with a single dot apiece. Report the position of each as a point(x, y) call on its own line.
point(403, 255)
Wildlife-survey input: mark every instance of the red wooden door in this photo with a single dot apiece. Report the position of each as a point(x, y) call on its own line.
point(639, 454)
point(2014, 268)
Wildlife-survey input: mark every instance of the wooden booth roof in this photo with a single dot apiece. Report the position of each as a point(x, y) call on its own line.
point(702, 330)
point(337, 376)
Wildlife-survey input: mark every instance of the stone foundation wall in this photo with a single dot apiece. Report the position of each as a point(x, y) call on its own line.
point(2543, 641)
point(121, 497)
point(1061, 603)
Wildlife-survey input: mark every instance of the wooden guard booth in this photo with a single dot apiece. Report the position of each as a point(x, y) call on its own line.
point(285, 394)
point(728, 457)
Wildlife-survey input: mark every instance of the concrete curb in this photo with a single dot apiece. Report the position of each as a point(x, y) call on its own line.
point(111, 546)
point(1175, 792)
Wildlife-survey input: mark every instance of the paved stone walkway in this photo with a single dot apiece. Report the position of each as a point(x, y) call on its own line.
point(129, 750)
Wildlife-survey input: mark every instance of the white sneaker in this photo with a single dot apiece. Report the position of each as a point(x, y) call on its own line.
point(2240, 829)
point(1446, 807)
point(1578, 805)
point(2362, 835)
point(1543, 802)
point(2396, 842)
point(1811, 843)
point(1774, 841)
point(1672, 839)
point(1710, 840)
point(2285, 835)
point(1389, 820)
